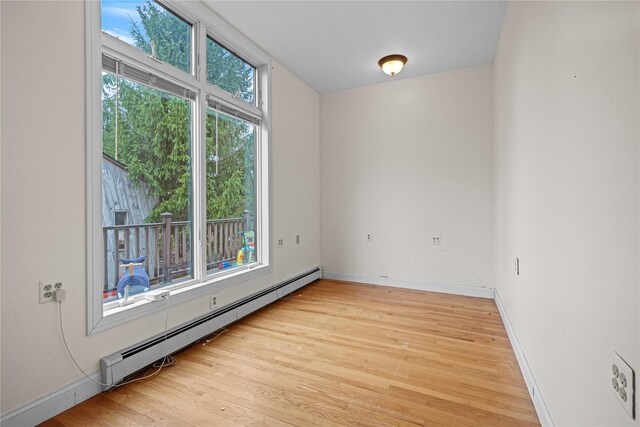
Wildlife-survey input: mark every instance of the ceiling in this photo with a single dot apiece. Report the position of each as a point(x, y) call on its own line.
point(334, 45)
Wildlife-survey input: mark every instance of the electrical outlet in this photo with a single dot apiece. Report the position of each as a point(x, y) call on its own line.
point(297, 239)
point(280, 243)
point(46, 291)
point(369, 237)
point(435, 240)
point(622, 384)
point(213, 301)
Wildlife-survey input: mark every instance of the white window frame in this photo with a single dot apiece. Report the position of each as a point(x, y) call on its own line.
point(101, 316)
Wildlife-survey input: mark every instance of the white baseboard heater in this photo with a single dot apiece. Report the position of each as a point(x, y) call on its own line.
point(116, 367)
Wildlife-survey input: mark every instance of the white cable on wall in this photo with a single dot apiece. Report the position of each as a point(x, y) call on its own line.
point(168, 360)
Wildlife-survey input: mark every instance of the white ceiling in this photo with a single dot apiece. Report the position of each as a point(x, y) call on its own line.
point(334, 45)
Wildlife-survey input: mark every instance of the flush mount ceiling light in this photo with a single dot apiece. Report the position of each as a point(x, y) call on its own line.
point(392, 64)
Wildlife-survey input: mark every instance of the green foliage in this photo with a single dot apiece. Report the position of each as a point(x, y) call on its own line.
point(229, 72)
point(108, 114)
point(231, 189)
point(170, 34)
point(154, 128)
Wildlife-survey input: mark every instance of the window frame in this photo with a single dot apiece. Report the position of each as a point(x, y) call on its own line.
point(205, 23)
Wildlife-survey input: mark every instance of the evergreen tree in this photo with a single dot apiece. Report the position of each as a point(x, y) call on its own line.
point(154, 128)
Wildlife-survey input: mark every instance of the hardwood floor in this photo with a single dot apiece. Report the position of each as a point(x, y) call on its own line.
point(335, 353)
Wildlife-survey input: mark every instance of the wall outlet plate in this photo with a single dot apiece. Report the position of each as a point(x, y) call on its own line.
point(45, 292)
point(213, 302)
point(623, 384)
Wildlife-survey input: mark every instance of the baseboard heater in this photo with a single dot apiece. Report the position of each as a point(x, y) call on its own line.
point(116, 367)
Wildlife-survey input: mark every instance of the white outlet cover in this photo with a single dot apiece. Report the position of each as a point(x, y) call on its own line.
point(41, 292)
point(627, 371)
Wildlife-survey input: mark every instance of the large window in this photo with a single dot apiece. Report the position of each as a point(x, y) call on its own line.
point(182, 159)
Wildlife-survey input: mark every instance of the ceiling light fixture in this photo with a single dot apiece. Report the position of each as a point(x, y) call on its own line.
point(392, 64)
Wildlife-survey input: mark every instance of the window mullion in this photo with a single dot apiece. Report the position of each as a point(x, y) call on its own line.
point(200, 200)
point(119, 50)
point(198, 196)
point(263, 164)
point(223, 96)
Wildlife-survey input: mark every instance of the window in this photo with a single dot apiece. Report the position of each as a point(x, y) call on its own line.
point(178, 155)
point(229, 72)
point(120, 217)
point(150, 27)
point(147, 132)
point(231, 202)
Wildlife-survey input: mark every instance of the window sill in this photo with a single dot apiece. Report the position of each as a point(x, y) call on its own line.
point(141, 307)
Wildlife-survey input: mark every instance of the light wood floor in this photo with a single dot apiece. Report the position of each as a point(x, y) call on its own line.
point(335, 353)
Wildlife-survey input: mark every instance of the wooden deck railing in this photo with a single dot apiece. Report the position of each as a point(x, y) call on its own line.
point(171, 241)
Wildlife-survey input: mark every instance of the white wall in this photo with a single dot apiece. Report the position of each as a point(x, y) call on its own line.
point(408, 160)
point(566, 154)
point(43, 200)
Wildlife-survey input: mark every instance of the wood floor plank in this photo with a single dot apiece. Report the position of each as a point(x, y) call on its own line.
point(335, 353)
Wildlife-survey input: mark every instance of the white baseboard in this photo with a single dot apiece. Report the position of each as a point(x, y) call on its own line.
point(538, 402)
point(470, 291)
point(52, 404)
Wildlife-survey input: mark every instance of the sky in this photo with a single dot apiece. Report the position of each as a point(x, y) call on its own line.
point(117, 15)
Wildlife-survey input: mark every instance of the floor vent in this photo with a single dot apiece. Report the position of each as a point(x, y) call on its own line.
point(117, 366)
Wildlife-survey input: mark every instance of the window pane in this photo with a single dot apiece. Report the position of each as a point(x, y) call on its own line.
point(230, 73)
point(146, 172)
point(120, 217)
point(231, 203)
point(146, 23)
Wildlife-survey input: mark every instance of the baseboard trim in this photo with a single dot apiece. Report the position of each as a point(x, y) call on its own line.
point(470, 291)
point(52, 404)
point(538, 402)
